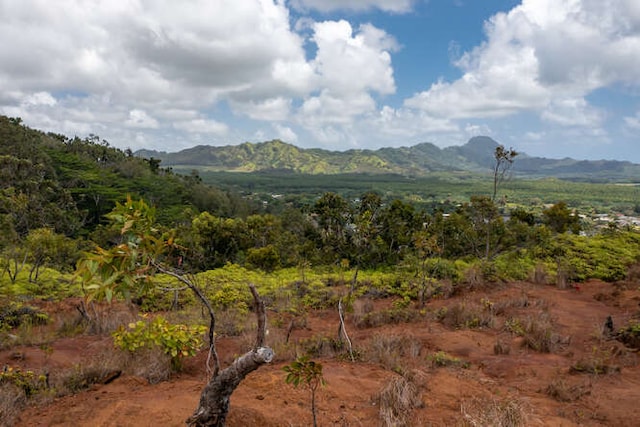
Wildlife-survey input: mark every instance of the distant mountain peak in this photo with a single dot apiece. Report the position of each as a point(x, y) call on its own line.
point(477, 155)
point(482, 143)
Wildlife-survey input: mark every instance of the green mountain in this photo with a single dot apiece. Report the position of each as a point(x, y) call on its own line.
point(418, 160)
point(69, 184)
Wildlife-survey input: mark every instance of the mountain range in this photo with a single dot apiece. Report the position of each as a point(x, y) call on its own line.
point(477, 155)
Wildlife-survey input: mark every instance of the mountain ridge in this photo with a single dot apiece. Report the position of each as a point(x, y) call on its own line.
point(417, 160)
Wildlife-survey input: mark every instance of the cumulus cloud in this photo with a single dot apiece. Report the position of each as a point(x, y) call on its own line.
point(285, 133)
point(573, 112)
point(140, 119)
point(633, 122)
point(350, 65)
point(396, 6)
point(544, 56)
point(140, 59)
point(167, 74)
point(202, 126)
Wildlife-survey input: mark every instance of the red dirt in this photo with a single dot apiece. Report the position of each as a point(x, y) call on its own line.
point(263, 398)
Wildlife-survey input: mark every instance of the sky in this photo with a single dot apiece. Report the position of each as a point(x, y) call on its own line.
point(550, 78)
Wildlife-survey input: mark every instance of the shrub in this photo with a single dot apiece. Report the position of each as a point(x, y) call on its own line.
point(563, 392)
point(442, 269)
point(396, 400)
point(513, 266)
point(600, 361)
point(27, 381)
point(538, 332)
point(15, 314)
point(493, 412)
point(442, 359)
point(466, 315)
point(176, 340)
point(390, 350)
point(630, 335)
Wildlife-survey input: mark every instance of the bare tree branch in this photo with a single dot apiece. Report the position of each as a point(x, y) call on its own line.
point(212, 318)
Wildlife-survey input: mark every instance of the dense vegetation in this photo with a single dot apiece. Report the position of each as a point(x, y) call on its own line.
point(438, 191)
point(56, 192)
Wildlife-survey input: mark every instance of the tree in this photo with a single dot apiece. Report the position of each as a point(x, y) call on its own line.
point(397, 224)
point(129, 268)
point(45, 247)
point(333, 215)
point(486, 222)
point(504, 160)
point(561, 219)
point(308, 373)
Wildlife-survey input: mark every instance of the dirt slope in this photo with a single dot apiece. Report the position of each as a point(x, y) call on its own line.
point(545, 387)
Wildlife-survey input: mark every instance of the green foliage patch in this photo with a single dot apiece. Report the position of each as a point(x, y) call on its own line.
point(176, 340)
point(27, 381)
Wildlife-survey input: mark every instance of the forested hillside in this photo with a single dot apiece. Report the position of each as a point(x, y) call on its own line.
point(416, 161)
point(69, 184)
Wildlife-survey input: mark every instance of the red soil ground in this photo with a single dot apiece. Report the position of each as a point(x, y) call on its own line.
point(522, 376)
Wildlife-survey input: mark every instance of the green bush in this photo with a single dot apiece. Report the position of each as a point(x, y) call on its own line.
point(27, 381)
point(176, 340)
point(517, 265)
point(14, 314)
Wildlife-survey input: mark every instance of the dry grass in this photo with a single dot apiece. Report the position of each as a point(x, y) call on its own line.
point(466, 315)
point(102, 319)
point(388, 316)
point(392, 352)
point(538, 333)
point(561, 391)
point(482, 412)
point(150, 364)
point(12, 401)
point(396, 400)
point(599, 362)
point(474, 277)
point(501, 347)
point(633, 273)
point(319, 346)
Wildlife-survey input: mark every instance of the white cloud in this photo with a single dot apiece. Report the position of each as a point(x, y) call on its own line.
point(285, 133)
point(140, 119)
point(350, 66)
point(472, 130)
point(268, 109)
point(348, 62)
point(139, 72)
point(573, 112)
point(543, 56)
point(204, 126)
point(39, 98)
point(150, 57)
point(396, 6)
point(633, 122)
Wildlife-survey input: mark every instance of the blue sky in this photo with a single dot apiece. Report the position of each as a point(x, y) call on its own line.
point(551, 78)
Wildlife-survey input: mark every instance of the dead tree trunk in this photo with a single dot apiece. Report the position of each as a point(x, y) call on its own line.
point(214, 401)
